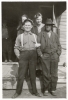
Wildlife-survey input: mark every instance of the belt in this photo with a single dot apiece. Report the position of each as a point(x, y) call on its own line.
point(28, 49)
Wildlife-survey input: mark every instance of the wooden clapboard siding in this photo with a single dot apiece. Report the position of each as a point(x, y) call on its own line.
point(62, 23)
point(62, 30)
point(62, 27)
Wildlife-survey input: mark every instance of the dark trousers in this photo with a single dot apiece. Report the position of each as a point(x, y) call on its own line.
point(6, 48)
point(50, 74)
point(28, 60)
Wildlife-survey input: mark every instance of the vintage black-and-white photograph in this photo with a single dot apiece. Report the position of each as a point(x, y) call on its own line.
point(34, 49)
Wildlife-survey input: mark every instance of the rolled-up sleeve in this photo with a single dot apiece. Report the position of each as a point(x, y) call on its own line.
point(17, 46)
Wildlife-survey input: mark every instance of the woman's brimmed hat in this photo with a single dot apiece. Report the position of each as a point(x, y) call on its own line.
point(37, 15)
point(49, 22)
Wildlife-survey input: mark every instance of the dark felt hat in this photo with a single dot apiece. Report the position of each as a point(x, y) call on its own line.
point(49, 22)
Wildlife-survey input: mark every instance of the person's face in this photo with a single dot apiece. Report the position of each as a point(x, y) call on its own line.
point(24, 18)
point(48, 28)
point(27, 26)
point(39, 20)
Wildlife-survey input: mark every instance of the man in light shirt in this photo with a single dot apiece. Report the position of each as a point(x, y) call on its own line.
point(25, 50)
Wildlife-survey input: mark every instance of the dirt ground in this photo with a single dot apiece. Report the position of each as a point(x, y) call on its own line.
point(61, 93)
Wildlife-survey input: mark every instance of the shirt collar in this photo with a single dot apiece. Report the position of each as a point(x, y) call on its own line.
point(49, 32)
point(45, 32)
point(28, 33)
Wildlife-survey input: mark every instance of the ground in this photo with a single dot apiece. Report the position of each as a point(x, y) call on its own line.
point(61, 86)
point(61, 93)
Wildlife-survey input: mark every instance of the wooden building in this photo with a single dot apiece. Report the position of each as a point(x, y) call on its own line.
point(11, 12)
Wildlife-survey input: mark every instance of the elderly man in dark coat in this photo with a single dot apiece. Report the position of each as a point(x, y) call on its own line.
point(49, 53)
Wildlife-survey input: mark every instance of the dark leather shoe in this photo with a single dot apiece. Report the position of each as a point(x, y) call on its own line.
point(37, 94)
point(45, 93)
point(53, 93)
point(15, 95)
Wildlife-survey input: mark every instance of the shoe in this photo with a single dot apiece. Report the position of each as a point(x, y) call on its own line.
point(10, 60)
point(53, 93)
point(6, 61)
point(45, 93)
point(15, 95)
point(37, 94)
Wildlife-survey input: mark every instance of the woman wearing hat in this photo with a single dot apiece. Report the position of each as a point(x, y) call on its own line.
point(49, 53)
point(39, 26)
point(37, 29)
point(20, 28)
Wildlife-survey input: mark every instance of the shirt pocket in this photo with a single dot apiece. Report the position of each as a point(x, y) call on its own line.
point(33, 41)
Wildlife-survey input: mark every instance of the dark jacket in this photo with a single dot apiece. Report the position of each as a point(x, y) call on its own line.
point(50, 47)
point(20, 31)
point(35, 30)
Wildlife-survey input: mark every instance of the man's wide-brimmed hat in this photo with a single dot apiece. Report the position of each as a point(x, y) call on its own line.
point(49, 22)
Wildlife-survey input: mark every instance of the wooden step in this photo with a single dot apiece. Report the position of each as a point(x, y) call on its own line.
point(10, 76)
point(11, 84)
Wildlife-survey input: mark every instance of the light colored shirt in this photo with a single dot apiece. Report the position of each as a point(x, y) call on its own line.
point(49, 34)
point(28, 42)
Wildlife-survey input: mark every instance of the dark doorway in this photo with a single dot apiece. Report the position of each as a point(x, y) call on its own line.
point(47, 12)
point(12, 11)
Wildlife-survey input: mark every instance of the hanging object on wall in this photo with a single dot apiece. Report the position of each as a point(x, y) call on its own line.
point(55, 28)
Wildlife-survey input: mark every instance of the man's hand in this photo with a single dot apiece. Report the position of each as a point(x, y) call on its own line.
point(42, 56)
point(37, 45)
point(18, 57)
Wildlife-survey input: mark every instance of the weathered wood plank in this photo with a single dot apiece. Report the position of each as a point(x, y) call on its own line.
point(62, 40)
point(13, 68)
point(63, 24)
point(63, 17)
point(62, 33)
point(63, 27)
point(63, 30)
point(64, 20)
point(11, 82)
point(63, 36)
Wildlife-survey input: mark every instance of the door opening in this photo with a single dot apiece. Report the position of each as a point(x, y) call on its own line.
point(47, 12)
